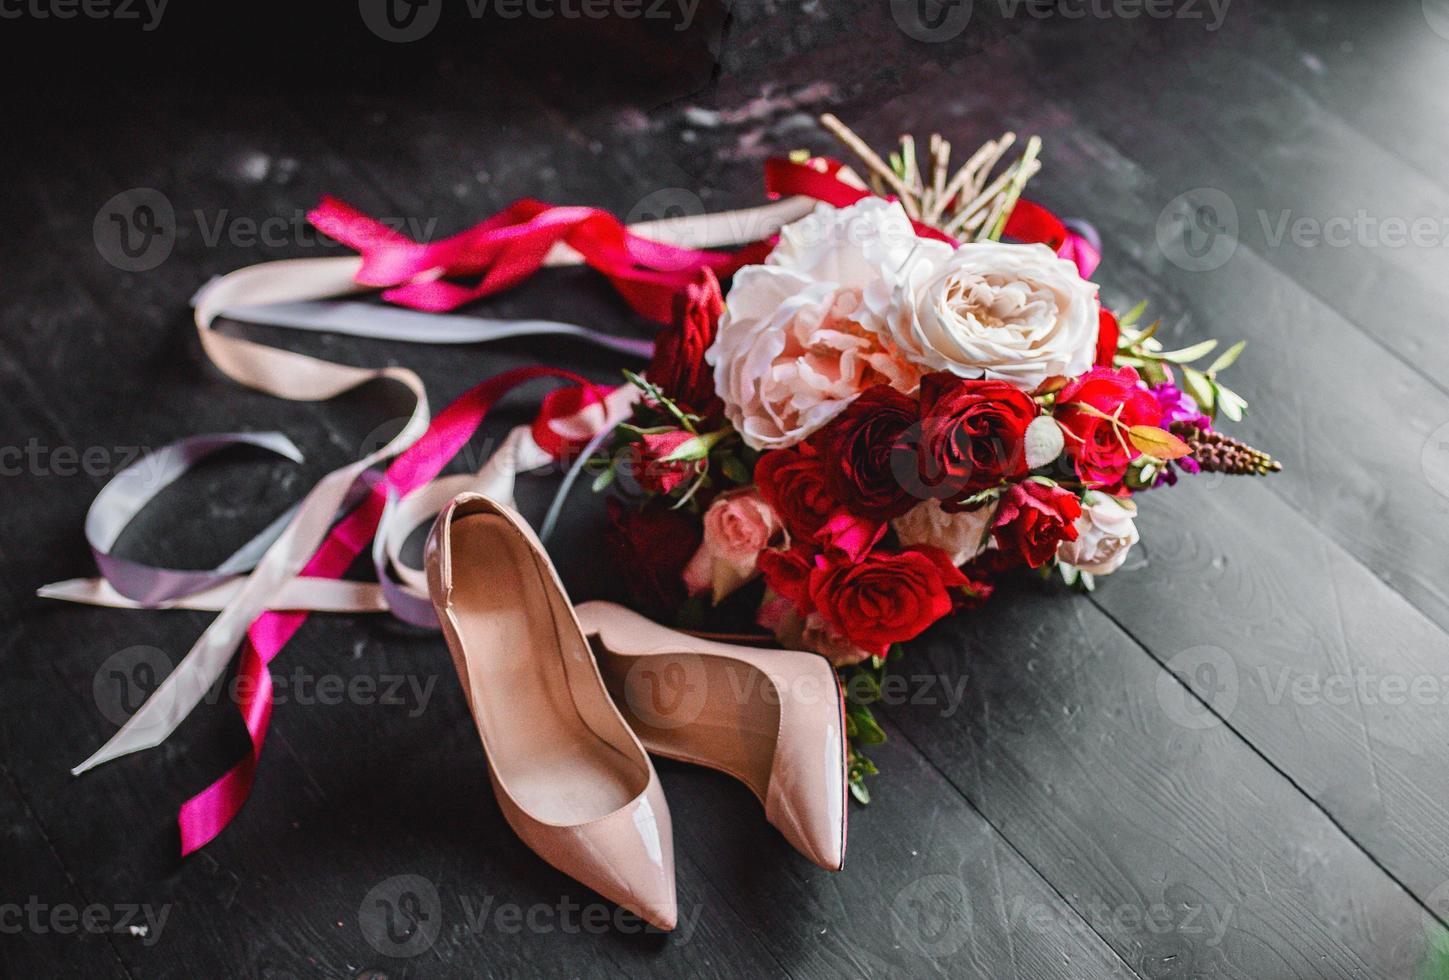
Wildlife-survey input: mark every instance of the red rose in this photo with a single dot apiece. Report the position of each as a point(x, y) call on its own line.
point(1107, 334)
point(797, 485)
point(972, 434)
point(1100, 444)
point(678, 366)
point(884, 597)
point(788, 574)
point(858, 445)
point(654, 471)
point(650, 548)
point(1033, 518)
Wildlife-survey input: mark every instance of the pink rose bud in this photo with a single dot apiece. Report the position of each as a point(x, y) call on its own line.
point(737, 527)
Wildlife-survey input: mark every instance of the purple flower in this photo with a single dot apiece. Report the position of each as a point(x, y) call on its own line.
point(1178, 406)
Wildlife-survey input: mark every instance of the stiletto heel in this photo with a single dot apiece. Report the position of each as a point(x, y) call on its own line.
point(571, 778)
point(774, 719)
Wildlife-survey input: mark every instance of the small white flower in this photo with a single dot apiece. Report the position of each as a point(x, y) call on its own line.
point(1105, 534)
point(963, 536)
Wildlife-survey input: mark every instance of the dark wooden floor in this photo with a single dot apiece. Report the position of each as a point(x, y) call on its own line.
point(1231, 761)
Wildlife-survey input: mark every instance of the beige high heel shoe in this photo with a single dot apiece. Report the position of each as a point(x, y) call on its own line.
point(774, 719)
point(571, 778)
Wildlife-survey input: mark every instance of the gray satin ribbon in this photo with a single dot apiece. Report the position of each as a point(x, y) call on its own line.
point(130, 490)
point(392, 323)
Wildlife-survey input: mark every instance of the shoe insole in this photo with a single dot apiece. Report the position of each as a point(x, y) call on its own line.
point(550, 761)
point(709, 710)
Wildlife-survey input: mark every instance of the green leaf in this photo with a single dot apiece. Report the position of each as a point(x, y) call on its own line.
point(735, 470)
point(857, 788)
point(866, 727)
point(603, 480)
point(1132, 315)
point(1231, 403)
point(1226, 358)
point(1189, 354)
point(1201, 389)
point(696, 448)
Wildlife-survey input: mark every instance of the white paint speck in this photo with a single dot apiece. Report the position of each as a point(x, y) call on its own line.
point(254, 167)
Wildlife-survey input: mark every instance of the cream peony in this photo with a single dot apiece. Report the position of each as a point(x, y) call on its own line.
point(1105, 533)
point(804, 334)
point(989, 309)
point(963, 536)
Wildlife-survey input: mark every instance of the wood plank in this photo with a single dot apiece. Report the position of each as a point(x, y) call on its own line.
point(1339, 682)
point(1179, 844)
point(44, 928)
point(1279, 156)
point(1380, 67)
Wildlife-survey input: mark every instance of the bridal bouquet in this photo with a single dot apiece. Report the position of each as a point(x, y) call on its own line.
point(875, 422)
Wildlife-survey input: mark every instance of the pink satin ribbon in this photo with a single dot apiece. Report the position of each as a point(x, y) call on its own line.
point(509, 247)
point(207, 813)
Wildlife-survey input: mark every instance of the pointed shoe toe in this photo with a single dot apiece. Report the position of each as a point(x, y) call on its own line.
point(799, 784)
point(626, 856)
point(774, 719)
point(570, 776)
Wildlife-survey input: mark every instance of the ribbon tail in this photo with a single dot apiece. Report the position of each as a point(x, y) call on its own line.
point(207, 660)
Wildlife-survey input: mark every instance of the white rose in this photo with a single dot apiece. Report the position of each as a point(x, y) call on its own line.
point(804, 334)
point(988, 309)
point(1105, 533)
point(963, 536)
